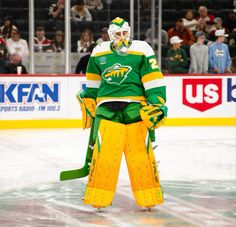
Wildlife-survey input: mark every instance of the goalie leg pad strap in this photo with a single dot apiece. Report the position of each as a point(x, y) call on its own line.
point(105, 165)
point(142, 166)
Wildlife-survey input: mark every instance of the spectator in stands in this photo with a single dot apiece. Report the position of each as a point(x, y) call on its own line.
point(182, 32)
point(219, 58)
point(201, 27)
point(7, 27)
point(41, 43)
point(56, 15)
point(176, 57)
point(205, 17)
point(189, 21)
point(16, 66)
point(56, 10)
point(218, 25)
point(234, 65)
point(3, 47)
point(2, 41)
point(3, 53)
point(80, 12)
point(58, 41)
point(199, 55)
point(94, 4)
point(230, 22)
point(164, 35)
point(232, 39)
point(83, 62)
point(3, 65)
point(104, 36)
point(86, 39)
point(16, 45)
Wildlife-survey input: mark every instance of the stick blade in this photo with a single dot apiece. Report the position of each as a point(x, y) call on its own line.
point(74, 174)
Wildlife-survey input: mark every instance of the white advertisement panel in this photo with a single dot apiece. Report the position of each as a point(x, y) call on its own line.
point(53, 97)
point(39, 97)
point(201, 96)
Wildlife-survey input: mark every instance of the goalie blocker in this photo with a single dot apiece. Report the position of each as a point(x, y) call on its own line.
point(105, 165)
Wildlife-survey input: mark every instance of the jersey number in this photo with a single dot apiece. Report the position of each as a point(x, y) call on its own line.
point(153, 63)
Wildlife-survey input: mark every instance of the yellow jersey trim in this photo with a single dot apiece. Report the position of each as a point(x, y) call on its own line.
point(135, 52)
point(152, 76)
point(102, 53)
point(93, 76)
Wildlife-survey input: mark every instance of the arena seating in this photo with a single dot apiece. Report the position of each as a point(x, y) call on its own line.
point(172, 9)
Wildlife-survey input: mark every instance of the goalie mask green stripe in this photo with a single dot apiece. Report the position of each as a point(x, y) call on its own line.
point(118, 21)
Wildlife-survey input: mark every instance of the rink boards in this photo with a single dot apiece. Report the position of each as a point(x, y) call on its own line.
point(48, 101)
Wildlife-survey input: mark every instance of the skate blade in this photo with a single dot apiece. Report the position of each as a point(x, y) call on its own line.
point(99, 208)
point(148, 208)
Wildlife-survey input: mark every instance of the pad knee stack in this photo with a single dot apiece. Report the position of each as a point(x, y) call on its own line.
point(105, 165)
point(142, 166)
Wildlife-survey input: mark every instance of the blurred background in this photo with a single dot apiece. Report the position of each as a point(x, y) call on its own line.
point(60, 32)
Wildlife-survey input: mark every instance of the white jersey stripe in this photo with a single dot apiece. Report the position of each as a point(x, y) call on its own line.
point(153, 84)
point(137, 46)
point(93, 83)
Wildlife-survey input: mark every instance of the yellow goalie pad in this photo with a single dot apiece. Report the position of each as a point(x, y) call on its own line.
point(105, 165)
point(142, 166)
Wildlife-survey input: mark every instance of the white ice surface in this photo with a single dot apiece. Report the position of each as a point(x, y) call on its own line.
point(28, 157)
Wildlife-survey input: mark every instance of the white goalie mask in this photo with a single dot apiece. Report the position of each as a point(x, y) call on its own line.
point(119, 33)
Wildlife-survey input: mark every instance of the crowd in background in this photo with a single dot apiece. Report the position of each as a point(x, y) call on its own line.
point(206, 37)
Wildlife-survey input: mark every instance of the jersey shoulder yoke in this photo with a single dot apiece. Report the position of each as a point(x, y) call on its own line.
point(141, 48)
point(101, 49)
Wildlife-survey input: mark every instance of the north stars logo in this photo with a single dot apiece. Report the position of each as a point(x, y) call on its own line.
point(116, 74)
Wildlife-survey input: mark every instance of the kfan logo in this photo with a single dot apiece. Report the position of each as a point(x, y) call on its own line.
point(202, 94)
point(28, 93)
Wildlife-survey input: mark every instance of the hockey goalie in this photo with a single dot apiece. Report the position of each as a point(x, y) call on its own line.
point(123, 103)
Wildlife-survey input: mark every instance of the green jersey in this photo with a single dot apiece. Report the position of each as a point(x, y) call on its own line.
point(177, 60)
point(133, 77)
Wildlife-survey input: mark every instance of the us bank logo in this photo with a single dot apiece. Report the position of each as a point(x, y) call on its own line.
point(202, 94)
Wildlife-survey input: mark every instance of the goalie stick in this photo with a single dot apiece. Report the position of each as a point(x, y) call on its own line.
point(84, 171)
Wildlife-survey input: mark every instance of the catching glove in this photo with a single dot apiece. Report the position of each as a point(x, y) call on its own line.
point(153, 115)
point(88, 108)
